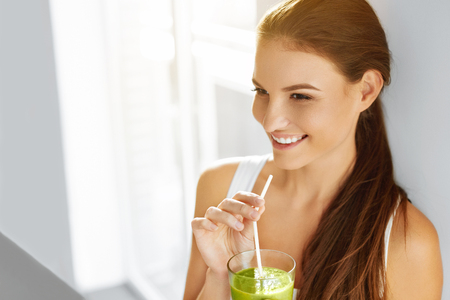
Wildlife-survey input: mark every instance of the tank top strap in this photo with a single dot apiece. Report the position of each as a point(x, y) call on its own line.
point(387, 233)
point(246, 174)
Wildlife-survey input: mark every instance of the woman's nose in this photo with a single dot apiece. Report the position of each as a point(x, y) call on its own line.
point(276, 117)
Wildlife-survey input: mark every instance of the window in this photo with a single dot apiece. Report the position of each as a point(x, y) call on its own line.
point(151, 93)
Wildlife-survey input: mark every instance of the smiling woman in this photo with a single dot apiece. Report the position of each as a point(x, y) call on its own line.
point(333, 205)
point(308, 110)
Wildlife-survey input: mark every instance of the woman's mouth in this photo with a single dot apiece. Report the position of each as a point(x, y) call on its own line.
point(287, 142)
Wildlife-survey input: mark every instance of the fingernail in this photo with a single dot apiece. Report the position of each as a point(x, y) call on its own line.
point(214, 226)
point(239, 225)
point(259, 200)
point(254, 214)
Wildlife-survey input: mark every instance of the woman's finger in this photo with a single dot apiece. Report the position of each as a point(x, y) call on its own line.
point(203, 223)
point(217, 216)
point(237, 207)
point(249, 198)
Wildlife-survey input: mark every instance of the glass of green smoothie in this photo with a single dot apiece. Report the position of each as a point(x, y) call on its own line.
point(276, 283)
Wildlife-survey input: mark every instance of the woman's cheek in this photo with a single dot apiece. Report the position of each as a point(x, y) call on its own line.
point(259, 110)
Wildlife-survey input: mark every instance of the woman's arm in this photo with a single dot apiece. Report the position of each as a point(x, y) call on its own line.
point(414, 269)
point(196, 275)
point(203, 282)
point(211, 189)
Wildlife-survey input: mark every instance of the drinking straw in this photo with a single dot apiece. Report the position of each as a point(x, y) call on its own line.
point(255, 229)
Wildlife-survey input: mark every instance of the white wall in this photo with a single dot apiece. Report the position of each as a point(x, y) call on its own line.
point(33, 205)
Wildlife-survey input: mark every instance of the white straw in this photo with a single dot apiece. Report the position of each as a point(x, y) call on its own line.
point(255, 230)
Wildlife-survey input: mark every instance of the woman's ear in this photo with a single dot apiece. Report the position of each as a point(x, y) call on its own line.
point(371, 85)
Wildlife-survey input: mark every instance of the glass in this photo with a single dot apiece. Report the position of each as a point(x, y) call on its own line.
point(277, 284)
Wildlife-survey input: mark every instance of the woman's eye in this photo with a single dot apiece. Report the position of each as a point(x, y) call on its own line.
point(260, 92)
point(301, 97)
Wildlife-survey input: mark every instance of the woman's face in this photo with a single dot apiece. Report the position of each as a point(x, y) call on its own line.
point(307, 108)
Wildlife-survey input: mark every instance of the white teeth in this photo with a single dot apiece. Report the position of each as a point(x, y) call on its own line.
point(287, 141)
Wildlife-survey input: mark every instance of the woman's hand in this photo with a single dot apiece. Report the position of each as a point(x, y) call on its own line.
point(227, 229)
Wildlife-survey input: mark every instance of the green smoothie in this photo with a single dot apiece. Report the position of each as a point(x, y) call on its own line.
point(275, 285)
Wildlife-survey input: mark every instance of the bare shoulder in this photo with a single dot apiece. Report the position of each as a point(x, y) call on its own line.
point(214, 182)
point(414, 269)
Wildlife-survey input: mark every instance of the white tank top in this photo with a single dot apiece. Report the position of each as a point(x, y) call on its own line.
point(245, 177)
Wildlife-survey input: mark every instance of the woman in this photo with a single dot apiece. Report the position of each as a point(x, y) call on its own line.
point(333, 204)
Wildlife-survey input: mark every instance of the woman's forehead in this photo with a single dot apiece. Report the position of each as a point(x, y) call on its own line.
point(277, 64)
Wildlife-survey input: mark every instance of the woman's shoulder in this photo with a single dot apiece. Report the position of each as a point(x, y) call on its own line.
point(214, 182)
point(219, 173)
point(414, 268)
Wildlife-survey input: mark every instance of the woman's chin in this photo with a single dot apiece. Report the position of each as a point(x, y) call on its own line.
point(286, 163)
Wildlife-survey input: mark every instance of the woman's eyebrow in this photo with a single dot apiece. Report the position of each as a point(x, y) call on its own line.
point(256, 82)
point(292, 87)
point(299, 87)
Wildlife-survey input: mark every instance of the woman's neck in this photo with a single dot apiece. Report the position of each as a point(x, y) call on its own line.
point(318, 182)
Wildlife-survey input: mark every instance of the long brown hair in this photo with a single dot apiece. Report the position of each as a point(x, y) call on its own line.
point(345, 257)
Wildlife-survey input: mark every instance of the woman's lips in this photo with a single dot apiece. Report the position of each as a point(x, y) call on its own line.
point(287, 142)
